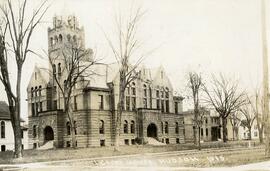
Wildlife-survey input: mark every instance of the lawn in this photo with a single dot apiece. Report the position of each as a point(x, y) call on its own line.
point(80, 153)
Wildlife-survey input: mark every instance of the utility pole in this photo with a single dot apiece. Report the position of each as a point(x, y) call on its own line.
point(265, 81)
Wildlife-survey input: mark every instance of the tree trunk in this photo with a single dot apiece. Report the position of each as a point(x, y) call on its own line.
point(267, 141)
point(249, 130)
point(120, 107)
point(71, 121)
point(260, 130)
point(17, 139)
point(16, 119)
point(199, 139)
point(16, 131)
point(224, 129)
point(196, 113)
point(195, 135)
point(233, 133)
point(73, 136)
point(117, 127)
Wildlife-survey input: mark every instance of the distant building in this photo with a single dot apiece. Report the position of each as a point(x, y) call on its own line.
point(244, 133)
point(151, 109)
point(210, 129)
point(6, 130)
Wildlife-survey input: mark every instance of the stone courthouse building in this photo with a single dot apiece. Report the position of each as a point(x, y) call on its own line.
point(151, 109)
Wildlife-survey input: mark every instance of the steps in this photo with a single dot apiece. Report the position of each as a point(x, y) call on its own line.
point(47, 145)
point(153, 141)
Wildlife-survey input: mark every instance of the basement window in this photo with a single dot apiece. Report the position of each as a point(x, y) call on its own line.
point(3, 148)
point(68, 144)
point(177, 141)
point(167, 141)
point(102, 143)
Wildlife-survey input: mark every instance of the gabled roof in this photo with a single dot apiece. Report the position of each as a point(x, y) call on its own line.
point(42, 74)
point(97, 75)
point(113, 71)
point(4, 110)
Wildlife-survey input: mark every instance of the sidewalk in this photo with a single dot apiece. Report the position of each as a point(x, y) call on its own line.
point(261, 166)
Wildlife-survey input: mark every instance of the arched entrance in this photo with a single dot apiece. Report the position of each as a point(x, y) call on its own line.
point(48, 133)
point(152, 130)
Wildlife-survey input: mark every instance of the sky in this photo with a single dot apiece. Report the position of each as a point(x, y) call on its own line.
point(209, 36)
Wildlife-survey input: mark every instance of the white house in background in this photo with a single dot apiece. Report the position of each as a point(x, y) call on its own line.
point(244, 133)
point(6, 131)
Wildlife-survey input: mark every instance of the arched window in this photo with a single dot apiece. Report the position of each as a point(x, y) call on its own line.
point(167, 103)
point(176, 128)
point(65, 84)
point(167, 92)
point(150, 95)
point(39, 90)
point(162, 93)
point(54, 69)
point(68, 37)
point(60, 38)
point(145, 96)
point(68, 128)
point(34, 131)
point(133, 89)
point(74, 39)
point(59, 69)
point(144, 90)
point(157, 93)
point(32, 91)
point(166, 128)
point(51, 41)
point(56, 39)
point(36, 89)
point(125, 127)
point(101, 127)
point(75, 127)
point(132, 127)
point(162, 128)
point(3, 129)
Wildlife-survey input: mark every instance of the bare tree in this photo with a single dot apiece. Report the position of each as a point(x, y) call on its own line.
point(235, 121)
point(226, 99)
point(15, 36)
point(127, 43)
point(249, 117)
point(78, 63)
point(195, 85)
point(256, 103)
